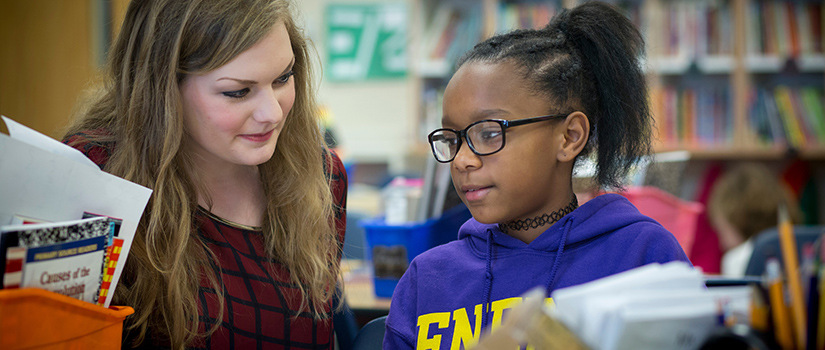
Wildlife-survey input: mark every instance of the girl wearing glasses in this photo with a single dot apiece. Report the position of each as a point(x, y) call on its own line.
point(519, 111)
point(210, 104)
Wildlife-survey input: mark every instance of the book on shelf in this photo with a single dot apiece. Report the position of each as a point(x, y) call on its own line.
point(693, 117)
point(782, 116)
point(796, 137)
point(519, 15)
point(679, 33)
point(50, 181)
point(785, 28)
point(688, 30)
point(453, 29)
point(799, 109)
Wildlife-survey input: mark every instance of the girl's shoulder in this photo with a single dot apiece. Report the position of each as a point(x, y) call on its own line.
point(89, 143)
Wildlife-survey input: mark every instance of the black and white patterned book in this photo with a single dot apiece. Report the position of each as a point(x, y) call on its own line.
point(65, 257)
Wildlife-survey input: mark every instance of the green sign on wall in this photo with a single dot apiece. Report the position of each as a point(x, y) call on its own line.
point(366, 41)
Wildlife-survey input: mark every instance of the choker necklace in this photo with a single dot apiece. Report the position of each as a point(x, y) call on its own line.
point(539, 221)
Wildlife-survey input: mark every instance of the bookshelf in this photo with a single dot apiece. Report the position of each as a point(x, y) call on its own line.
point(730, 79)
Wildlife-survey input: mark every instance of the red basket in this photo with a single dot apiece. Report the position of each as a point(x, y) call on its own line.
point(676, 215)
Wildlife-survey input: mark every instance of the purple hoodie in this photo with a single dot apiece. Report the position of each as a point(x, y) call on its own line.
point(438, 302)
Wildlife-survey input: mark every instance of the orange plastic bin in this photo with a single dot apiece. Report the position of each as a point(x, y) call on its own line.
point(33, 318)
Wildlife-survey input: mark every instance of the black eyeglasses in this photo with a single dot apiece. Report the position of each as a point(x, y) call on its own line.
point(484, 137)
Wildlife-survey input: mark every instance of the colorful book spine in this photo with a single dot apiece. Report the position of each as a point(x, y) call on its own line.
point(796, 138)
point(13, 275)
point(113, 255)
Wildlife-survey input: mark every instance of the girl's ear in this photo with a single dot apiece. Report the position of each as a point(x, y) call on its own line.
point(575, 131)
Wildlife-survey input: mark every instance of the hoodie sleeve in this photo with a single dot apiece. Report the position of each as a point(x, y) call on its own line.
point(401, 321)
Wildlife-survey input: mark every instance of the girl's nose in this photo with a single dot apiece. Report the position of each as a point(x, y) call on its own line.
point(465, 159)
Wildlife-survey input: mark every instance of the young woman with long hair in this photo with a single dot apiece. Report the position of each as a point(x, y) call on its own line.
point(241, 241)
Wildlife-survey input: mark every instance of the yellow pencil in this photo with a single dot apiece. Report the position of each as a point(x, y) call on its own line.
point(781, 324)
point(759, 310)
point(789, 258)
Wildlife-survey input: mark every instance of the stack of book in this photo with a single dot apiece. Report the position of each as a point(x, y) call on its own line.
point(74, 258)
point(65, 225)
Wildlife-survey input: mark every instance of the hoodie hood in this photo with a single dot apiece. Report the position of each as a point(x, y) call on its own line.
point(580, 225)
point(599, 216)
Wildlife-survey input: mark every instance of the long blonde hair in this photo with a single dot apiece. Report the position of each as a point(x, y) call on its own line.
point(139, 107)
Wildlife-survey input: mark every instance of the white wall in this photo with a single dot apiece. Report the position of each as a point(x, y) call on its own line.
point(374, 120)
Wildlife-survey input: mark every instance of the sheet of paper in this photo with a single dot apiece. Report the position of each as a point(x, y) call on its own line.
point(670, 276)
point(656, 320)
point(20, 132)
point(656, 306)
point(42, 184)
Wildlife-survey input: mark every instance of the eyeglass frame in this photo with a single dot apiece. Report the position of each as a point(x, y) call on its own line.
point(505, 124)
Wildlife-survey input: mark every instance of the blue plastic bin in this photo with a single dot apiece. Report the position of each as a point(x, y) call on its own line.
point(391, 248)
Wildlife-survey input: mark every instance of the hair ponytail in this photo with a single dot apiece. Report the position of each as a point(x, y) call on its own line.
point(610, 47)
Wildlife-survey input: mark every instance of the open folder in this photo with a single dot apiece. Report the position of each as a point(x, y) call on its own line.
point(45, 179)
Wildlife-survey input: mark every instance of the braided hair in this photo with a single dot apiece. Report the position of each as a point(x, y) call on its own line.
point(585, 59)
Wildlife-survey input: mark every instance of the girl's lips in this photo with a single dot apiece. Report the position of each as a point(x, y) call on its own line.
point(258, 137)
point(473, 194)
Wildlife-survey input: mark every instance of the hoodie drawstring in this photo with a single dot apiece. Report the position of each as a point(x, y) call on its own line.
point(488, 288)
point(557, 260)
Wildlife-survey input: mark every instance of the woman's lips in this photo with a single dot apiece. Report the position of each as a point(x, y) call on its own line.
point(258, 137)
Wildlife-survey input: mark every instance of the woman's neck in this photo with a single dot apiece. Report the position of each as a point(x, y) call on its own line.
point(234, 193)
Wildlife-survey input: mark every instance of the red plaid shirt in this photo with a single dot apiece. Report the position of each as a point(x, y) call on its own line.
point(261, 301)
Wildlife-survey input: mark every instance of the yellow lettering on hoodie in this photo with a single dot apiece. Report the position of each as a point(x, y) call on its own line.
point(462, 332)
point(441, 319)
point(498, 309)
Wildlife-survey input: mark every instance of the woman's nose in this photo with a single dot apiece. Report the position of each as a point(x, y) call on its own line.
point(270, 108)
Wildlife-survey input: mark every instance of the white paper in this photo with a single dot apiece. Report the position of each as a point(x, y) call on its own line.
point(51, 186)
point(670, 276)
point(656, 306)
point(680, 320)
point(20, 132)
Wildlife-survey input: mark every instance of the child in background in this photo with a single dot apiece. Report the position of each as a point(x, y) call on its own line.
point(519, 111)
point(744, 202)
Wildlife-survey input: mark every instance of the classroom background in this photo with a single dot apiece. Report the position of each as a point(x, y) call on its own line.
point(732, 81)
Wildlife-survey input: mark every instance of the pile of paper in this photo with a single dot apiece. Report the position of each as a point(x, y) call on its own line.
point(657, 306)
point(81, 217)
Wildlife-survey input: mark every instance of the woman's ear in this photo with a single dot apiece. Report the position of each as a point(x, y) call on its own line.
point(575, 131)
